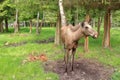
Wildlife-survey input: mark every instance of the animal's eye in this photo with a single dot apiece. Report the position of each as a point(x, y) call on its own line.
point(86, 27)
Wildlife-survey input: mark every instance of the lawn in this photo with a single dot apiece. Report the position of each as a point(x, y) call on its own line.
point(11, 57)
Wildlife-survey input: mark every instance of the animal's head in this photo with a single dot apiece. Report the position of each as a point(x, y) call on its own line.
point(88, 30)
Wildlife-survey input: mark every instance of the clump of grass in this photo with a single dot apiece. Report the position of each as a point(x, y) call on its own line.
point(116, 76)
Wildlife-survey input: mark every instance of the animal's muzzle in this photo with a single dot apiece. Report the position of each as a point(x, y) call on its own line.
point(95, 35)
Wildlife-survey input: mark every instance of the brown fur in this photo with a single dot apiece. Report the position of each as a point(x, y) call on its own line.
point(70, 36)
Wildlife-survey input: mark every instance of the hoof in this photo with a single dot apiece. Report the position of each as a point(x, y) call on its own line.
point(65, 73)
point(72, 72)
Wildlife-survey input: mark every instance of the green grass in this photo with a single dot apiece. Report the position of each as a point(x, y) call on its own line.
point(11, 58)
point(25, 36)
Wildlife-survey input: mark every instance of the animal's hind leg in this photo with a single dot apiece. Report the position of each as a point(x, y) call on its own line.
point(64, 52)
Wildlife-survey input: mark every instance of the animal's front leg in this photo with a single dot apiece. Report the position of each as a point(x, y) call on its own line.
point(71, 58)
point(66, 60)
point(72, 61)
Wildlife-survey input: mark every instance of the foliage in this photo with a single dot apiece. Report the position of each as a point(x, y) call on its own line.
point(50, 16)
point(6, 9)
point(116, 76)
point(49, 9)
point(30, 9)
point(26, 9)
point(116, 18)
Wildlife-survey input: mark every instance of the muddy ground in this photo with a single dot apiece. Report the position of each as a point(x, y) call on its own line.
point(45, 41)
point(84, 69)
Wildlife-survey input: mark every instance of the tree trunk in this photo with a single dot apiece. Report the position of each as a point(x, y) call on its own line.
point(1, 26)
point(73, 13)
point(86, 43)
point(42, 22)
point(94, 22)
point(99, 24)
point(107, 26)
point(57, 34)
point(37, 26)
point(73, 20)
point(77, 15)
point(6, 24)
point(111, 20)
point(30, 26)
point(16, 23)
point(24, 23)
point(62, 15)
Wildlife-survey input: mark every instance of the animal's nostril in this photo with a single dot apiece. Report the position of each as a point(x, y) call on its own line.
point(95, 36)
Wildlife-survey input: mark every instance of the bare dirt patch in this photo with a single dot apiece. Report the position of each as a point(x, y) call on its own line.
point(84, 69)
point(14, 44)
point(44, 41)
point(49, 40)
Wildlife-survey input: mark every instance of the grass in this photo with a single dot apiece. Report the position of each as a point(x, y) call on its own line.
point(11, 58)
point(25, 36)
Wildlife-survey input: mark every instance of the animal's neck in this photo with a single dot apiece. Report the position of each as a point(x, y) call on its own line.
point(74, 28)
point(78, 34)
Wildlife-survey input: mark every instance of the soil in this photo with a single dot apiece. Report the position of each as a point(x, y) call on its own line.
point(49, 40)
point(45, 41)
point(84, 69)
point(15, 44)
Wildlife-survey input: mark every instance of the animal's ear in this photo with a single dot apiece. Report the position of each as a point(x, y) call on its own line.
point(82, 24)
point(90, 21)
point(70, 25)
